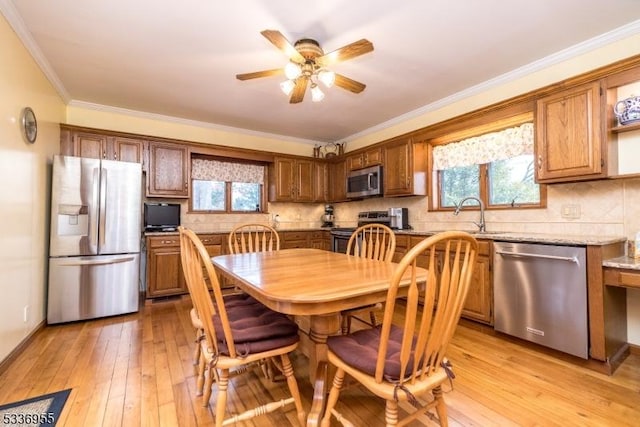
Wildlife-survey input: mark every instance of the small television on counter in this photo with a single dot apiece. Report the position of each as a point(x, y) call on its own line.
point(161, 216)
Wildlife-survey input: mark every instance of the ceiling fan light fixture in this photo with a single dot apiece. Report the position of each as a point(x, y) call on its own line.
point(287, 86)
point(292, 70)
point(316, 93)
point(327, 77)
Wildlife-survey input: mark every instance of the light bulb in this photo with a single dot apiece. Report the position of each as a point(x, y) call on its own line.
point(292, 70)
point(316, 93)
point(287, 86)
point(327, 77)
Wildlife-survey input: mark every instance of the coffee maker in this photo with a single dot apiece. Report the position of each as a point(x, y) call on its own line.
point(327, 218)
point(399, 218)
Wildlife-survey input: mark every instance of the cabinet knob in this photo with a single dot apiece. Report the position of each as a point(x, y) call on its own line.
point(540, 162)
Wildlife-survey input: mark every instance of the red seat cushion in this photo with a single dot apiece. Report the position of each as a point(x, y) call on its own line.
point(360, 350)
point(256, 328)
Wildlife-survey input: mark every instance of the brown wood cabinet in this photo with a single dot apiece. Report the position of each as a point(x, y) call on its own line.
point(338, 181)
point(320, 240)
point(569, 135)
point(83, 143)
point(478, 305)
point(291, 180)
point(168, 174)
point(214, 244)
point(365, 159)
point(405, 168)
point(294, 239)
point(320, 182)
point(164, 268)
point(317, 239)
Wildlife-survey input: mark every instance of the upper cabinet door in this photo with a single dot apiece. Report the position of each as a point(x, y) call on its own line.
point(90, 145)
point(168, 170)
point(128, 150)
point(569, 135)
point(405, 168)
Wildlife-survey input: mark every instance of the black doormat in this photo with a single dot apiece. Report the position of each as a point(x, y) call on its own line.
point(36, 411)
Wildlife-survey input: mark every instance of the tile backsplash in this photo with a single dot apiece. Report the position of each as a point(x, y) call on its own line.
point(605, 207)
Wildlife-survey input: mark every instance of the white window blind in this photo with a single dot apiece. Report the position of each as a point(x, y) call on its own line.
point(487, 148)
point(214, 170)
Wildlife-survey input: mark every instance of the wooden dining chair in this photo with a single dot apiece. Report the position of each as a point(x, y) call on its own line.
point(406, 362)
point(373, 241)
point(253, 238)
point(236, 336)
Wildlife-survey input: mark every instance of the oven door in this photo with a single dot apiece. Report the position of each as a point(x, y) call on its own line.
point(340, 239)
point(339, 243)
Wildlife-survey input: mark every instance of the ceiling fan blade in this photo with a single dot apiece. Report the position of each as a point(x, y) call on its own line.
point(279, 41)
point(349, 84)
point(257, 74)
point(299, 90)
point(346, 52)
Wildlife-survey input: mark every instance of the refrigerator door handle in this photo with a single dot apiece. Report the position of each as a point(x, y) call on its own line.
point(103, 207)
point(93, 211)
point(105, 261)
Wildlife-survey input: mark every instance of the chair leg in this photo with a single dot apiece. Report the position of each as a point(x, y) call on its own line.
point(208, 385)
point(391, 413)
point(441, 406)
point(287, 371)
point(338, 379)
point(202, 367)
point(221, 402)
point(196, 350)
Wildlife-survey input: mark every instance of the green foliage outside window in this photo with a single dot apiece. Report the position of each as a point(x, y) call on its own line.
point(211, 196)
point(510, 182)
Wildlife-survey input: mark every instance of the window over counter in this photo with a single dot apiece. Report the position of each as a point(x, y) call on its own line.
point(227, 186)
point(496, 165)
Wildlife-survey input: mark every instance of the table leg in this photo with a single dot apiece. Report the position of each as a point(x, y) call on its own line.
point(321, 327)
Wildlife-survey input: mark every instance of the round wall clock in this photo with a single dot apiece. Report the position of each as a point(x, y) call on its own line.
point(29, 125)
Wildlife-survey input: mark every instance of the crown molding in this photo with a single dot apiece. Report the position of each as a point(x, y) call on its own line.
point(586, 46)
point(187, 122)
point(15, 20)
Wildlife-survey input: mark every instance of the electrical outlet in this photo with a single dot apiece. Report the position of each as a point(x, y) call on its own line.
point(25, 314)
point(570, 211)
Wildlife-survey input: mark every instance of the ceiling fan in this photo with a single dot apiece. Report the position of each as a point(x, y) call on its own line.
point(308, 64)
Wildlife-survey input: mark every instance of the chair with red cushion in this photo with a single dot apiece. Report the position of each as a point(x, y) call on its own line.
point(236, 336)
point(404, 362)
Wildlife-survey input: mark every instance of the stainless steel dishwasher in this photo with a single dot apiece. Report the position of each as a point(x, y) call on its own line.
point(540, 295)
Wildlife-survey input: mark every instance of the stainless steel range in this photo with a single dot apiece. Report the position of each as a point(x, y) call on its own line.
point(340, 236)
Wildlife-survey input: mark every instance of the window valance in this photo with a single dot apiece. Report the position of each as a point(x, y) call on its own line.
point(214, 170)
point(504, 144)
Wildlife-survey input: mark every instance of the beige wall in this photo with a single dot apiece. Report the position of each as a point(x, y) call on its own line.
point(153, 125)
point(24, 189)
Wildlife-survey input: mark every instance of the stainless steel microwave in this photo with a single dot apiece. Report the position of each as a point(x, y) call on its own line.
point(365, 182)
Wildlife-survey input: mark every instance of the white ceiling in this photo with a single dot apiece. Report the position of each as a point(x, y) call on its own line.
point(179, 58)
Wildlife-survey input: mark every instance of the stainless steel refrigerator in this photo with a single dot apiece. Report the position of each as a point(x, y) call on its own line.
point(94, 246)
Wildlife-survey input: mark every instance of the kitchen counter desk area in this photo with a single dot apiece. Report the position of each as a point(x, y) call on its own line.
point(315, 283)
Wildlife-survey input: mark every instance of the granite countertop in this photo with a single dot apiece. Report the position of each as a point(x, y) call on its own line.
point(560, 239)
point(526, 237)
point(622, 262)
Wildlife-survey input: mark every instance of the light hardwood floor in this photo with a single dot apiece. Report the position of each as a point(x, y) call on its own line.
point(137, 370)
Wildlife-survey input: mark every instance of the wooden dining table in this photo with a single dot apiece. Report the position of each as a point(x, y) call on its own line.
point(314, 283)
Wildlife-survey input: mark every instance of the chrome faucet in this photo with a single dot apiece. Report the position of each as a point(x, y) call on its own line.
point(481, 225)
